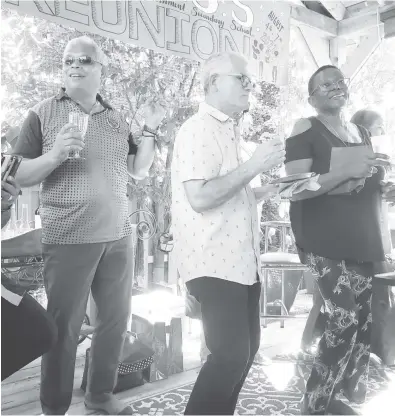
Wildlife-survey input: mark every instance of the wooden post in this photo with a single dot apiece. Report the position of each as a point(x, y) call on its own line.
point(145, 281)
point(361, 54)
point(30, 197)
point(175, 357)
point(134, 254)
point(159, 261)
point(318, 46)
point(335, 8)
point(338, 51)
point(173, 273)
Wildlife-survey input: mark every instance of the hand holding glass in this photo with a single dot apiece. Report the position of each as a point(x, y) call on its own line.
point(81, 121)
point(383, 147)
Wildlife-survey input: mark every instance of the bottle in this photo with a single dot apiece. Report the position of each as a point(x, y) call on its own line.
point(37, 218)
point(6, 148)
point(24, 225)
point(10, 230)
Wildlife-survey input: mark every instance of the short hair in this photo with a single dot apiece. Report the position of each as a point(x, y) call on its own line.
point(100, 56)
point(310, 86)
point(220, 63)
point(365, 118)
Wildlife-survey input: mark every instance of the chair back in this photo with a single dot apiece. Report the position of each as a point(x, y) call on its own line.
point(285, 234)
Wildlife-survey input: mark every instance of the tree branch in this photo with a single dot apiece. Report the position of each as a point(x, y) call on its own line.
point(192, 85)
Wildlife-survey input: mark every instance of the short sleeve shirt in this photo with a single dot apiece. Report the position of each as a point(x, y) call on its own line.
point(222, 242)
point(82, 200)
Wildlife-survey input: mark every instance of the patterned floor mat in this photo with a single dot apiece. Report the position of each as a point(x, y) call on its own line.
point(269, 390)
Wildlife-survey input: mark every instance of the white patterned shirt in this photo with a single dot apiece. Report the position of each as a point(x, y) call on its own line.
point(222, 242)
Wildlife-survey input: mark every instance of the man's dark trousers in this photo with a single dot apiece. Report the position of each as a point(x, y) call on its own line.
point(231, 323)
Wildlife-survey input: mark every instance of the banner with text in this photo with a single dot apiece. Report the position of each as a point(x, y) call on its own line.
point(192, 29)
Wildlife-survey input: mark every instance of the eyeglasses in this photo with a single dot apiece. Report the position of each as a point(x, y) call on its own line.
point(380, 130)
point(83, 60)
point(245, 81)
point(330, 86)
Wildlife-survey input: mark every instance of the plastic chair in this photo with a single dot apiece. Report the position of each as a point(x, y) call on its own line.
point(280, 260)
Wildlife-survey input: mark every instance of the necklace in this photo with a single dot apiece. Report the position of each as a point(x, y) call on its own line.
point(328, 125)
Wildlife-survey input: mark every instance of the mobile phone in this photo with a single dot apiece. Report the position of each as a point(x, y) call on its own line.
point(9, 165)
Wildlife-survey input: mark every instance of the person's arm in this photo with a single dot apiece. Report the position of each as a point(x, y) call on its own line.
point(33, 171)
point(201, 163)
point(10, 191)
point(327, 181)
point(205, 195)
point(385, 228)
point(265, 192)
point(140, 158)
point(35, 166)
point(299, 159)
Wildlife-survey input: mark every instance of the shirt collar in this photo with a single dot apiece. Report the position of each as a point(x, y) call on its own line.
point(62, 95)
point(205, 108)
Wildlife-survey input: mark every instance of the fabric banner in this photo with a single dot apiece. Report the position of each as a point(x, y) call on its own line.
point(192, 29)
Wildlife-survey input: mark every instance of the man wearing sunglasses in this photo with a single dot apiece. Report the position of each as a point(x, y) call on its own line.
point(86, 228)
point(215, 226)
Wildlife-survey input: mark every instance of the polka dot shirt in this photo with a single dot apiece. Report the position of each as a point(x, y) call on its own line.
point(222, 242)
point(81, 201)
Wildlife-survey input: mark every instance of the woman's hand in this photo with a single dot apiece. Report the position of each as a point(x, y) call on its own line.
point(388, 190)
point(9, 193)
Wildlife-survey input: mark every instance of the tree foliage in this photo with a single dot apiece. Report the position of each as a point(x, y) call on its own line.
point(374, 85)
point(32, 70)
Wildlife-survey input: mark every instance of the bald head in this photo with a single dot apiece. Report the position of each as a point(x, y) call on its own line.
point(83, 67)
point(90, 46)
point(223, 63)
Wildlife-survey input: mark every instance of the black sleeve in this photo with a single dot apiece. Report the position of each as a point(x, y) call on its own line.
point(364, 133)
point(132, 145)
point(29, 142)
point(299, 146)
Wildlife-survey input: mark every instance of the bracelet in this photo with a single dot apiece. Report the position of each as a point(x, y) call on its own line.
point(148, 135)
point(147, 129)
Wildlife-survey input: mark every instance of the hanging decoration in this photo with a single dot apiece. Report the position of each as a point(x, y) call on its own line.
point(191, 29)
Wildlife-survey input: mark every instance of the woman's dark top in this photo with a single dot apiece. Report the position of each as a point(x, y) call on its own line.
point(339, 227)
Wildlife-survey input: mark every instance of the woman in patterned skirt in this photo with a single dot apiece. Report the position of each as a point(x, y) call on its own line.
point(337, 231)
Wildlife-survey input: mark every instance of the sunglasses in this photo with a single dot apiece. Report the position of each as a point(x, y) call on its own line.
point(83, 60)
point(245, 81)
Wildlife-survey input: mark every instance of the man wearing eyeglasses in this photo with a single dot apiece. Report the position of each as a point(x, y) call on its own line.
point(86, 229)
point(215, 228)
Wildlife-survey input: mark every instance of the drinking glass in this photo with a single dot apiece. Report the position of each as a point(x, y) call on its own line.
point(383, 145)
point(81, 121)
point(383, 148)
